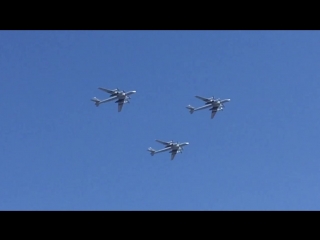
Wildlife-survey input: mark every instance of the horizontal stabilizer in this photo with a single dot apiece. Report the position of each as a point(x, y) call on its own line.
point(152, 151)
point(191, 109)
point(96, 100)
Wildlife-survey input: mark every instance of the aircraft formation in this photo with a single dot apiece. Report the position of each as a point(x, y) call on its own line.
point(122, 97)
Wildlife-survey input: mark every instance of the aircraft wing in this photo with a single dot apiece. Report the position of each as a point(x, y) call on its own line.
point(213, 111)
point(204, 99)
point(107, 90)
point(163, 142)
point(120, 105)
point(173, 154)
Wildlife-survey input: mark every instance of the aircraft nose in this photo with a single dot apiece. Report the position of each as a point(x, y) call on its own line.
point(187, 143)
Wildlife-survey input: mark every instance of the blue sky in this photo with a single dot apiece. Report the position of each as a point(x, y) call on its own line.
point(60, 152)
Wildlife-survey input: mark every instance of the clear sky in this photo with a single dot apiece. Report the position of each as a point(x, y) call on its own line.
point(58, 151)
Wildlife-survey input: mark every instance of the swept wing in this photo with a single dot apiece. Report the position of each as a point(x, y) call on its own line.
point(120, 104)
point(173, 153)
point(205, 99)
point(163, 142)
point(108, 90)
point(213, 111)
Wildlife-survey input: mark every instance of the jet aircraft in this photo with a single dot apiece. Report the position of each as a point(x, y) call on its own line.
point(122, 97)
point(214, 105)
point(174, 148)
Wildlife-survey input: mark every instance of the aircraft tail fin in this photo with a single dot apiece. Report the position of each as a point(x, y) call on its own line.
point(191, 109)
point(96, 100)
point(152, 151)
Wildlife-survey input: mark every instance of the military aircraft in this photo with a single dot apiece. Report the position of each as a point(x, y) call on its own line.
point(174, 148)
point(121, 96)
point(214, 105)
